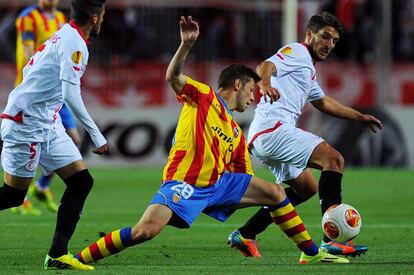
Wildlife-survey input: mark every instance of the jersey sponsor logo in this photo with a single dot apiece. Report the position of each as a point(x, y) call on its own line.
point(221, 135)
point(77, 57)
point(286, 51)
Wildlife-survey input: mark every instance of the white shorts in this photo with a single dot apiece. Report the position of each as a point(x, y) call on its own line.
point(22, 158)
point(285, 150)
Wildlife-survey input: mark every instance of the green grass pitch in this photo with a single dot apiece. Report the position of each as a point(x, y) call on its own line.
point(385, 199)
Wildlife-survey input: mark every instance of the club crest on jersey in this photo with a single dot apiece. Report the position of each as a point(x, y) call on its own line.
point(31, 165)
point(77, 57)
point(286, 50)
point(176, 197)
point(236, 132)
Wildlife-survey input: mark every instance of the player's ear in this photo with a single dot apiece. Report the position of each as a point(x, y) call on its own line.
point(238, 84)
point(309, 34)
point(94, 19)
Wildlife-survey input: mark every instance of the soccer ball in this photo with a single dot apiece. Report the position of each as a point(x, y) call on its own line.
point(341, 222)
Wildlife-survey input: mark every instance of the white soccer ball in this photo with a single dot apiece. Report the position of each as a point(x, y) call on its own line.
point(341, 222)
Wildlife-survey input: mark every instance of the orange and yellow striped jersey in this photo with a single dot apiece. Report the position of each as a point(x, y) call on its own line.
point(207, 140)
point(34, 26)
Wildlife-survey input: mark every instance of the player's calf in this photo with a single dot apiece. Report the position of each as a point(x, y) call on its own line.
point(11, 196)
point(70, 209)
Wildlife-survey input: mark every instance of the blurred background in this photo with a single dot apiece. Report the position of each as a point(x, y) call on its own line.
point(125, 91)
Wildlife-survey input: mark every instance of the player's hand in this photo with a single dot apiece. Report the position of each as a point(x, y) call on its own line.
point(101, 150)
point(268, 91)
point(369, 122)
point(189, 30)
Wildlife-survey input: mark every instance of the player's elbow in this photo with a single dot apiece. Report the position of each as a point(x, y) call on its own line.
point(168, 77)
point(66, 99)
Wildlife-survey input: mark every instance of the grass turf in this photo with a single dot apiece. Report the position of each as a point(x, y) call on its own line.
point(383, 197)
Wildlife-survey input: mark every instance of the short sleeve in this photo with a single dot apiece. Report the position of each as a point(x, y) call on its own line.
point(316, 92)
point(193, 91)
point(73, 60)
point(290, 58)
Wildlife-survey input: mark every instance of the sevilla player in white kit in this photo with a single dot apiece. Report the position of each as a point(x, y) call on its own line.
point(34, 136)
point(288, 83)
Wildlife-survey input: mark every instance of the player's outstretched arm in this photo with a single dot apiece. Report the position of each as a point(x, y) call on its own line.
point(72, 96)
point(189, 31)
point(332, 107)
point(265, 70)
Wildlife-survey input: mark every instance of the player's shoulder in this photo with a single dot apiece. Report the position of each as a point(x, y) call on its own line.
point(294, 50)
point(27, 11)
point(69, 37)
point(198, 85)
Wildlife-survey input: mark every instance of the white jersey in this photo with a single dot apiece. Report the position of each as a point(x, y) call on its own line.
point(38, 99)
point(295, 79)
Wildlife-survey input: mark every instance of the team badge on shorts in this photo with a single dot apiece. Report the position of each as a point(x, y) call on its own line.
point(176, 197)
point(31, 165)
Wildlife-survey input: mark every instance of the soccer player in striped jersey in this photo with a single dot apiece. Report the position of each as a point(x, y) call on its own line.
point(34, 25)
point(208, 168)
point(288, 83)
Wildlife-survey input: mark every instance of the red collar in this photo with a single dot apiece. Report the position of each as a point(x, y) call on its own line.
point(310, 52)
point(73, 25)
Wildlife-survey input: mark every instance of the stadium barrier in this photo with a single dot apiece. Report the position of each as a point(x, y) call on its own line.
point(137, 111)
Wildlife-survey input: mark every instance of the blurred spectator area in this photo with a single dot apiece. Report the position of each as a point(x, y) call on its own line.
point(138, 38)
point(148, 30)
point(136, 30)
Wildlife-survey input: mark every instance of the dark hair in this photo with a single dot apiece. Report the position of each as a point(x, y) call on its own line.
point(322, 19)
point(236, 71)
point(82, 10)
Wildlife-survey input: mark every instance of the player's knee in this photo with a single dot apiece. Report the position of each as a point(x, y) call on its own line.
point(82, 181)
point(11, 197)
point(87, 180)
point(334, 161)
point(144, 232)
point(277, 194)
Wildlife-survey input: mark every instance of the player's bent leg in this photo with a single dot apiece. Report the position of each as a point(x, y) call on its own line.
point(78, 186)
point(14, 191)
point(332, 164)
point(261, 192)
point(11, 196)
point(155, 217)
point(284, 215)
point(302, 188)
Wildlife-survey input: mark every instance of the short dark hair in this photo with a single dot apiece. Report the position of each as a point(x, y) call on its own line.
point(322, 19)
point(82, 10)
point(236, 71)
